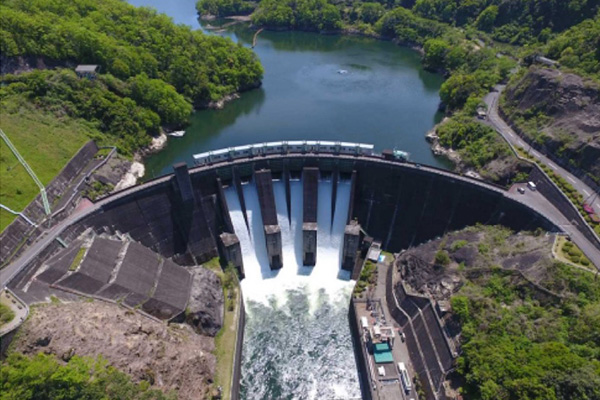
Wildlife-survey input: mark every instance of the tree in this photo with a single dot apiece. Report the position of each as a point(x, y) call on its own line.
point(371, 12)
point(486, 19)
point(435, 53)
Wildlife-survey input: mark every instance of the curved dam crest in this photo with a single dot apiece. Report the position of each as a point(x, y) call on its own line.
point(295, 312)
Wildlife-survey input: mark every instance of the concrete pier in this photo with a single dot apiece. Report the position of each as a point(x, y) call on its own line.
point(266, 198)
point(309, 215)
point(351, 245)
point(232, 251)
point(183, 182)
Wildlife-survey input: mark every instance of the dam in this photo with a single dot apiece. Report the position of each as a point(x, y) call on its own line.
point(260, 212)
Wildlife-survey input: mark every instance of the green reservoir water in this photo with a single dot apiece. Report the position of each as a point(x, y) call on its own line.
point(386, 98)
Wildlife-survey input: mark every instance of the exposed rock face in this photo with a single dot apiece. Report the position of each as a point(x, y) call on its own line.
point(206, 306)
point(472, 251)
point(572, 104)
point(168, 356)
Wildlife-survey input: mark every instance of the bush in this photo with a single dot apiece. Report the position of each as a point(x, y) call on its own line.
point(6, 314)
point(442, 258)
point(42, 377)
point(458, 244)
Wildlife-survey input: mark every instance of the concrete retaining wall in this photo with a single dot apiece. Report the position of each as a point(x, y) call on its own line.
point(360, 354)
point(239, 344)
point(19, 232)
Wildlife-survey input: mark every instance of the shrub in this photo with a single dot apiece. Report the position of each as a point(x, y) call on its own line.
point(442, 258)
point(458, 244)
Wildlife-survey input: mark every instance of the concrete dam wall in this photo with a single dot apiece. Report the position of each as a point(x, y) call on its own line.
point(182, 216)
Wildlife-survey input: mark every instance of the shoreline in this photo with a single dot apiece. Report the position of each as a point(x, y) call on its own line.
point(220, 104)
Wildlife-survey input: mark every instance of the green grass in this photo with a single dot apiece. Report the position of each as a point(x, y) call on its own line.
point(45, 142)
point(6, 314)
point(77, 259)
point(226, 338)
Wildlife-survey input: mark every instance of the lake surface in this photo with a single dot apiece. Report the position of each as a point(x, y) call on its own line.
point(385, 98)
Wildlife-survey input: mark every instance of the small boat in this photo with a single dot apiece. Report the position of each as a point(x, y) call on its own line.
point(342, 71)
point(176, 134)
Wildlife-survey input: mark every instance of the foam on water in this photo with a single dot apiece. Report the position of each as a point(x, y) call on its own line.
point(297, 341)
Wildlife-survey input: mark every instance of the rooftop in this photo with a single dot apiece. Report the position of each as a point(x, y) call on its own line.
point(87, 68)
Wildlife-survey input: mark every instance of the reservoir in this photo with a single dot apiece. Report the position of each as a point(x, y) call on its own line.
point(383, 96)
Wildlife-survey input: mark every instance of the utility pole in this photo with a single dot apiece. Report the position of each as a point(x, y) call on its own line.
point(29, 171)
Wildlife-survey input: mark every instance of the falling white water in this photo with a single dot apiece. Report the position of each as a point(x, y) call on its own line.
point(297, 342)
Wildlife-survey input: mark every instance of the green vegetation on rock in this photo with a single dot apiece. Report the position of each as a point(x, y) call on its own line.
point(528, 326)
point(516, 346)
point(44, 377)
point(477, 143)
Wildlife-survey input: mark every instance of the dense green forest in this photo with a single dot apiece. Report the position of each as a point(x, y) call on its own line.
point(520, 345)
point(127, 41)
point(474, 42)
point(44, 377)
point(152, 71)
point(127, 112)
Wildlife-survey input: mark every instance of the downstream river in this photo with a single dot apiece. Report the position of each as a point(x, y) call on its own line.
point(385, 97)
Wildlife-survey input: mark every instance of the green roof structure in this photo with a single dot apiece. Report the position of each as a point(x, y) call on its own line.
point(382, 353)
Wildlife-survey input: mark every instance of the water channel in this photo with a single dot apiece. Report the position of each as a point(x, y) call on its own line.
point(385, 98)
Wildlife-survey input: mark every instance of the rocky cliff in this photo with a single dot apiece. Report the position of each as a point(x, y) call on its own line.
point(560, 111)
point(439, 268)
point(206, 305)
point(169, 357)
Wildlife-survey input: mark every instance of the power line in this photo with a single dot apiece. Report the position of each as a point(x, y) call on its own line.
point(29, 171)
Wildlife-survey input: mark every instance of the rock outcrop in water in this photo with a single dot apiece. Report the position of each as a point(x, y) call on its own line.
point(206, 305)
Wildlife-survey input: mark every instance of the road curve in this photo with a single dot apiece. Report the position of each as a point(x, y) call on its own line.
point(491, 99)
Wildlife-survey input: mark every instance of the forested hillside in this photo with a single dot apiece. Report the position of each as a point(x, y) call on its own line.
point(152, 74)
point(528, 326)
point(127, 41)
point(151, 71)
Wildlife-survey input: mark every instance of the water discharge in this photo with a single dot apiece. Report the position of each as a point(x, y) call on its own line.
point(297, 342)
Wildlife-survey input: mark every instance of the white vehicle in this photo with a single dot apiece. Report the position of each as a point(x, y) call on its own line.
point(404, 377)
point(531, 185)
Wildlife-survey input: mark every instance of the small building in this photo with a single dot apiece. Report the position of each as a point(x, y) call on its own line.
point(88, 71)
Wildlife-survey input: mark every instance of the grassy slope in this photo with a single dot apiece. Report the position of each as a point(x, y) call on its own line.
point(45, 142)
point(226, 338)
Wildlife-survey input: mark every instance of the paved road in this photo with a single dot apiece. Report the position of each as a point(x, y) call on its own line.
point(491, 99)
point(537, 201)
